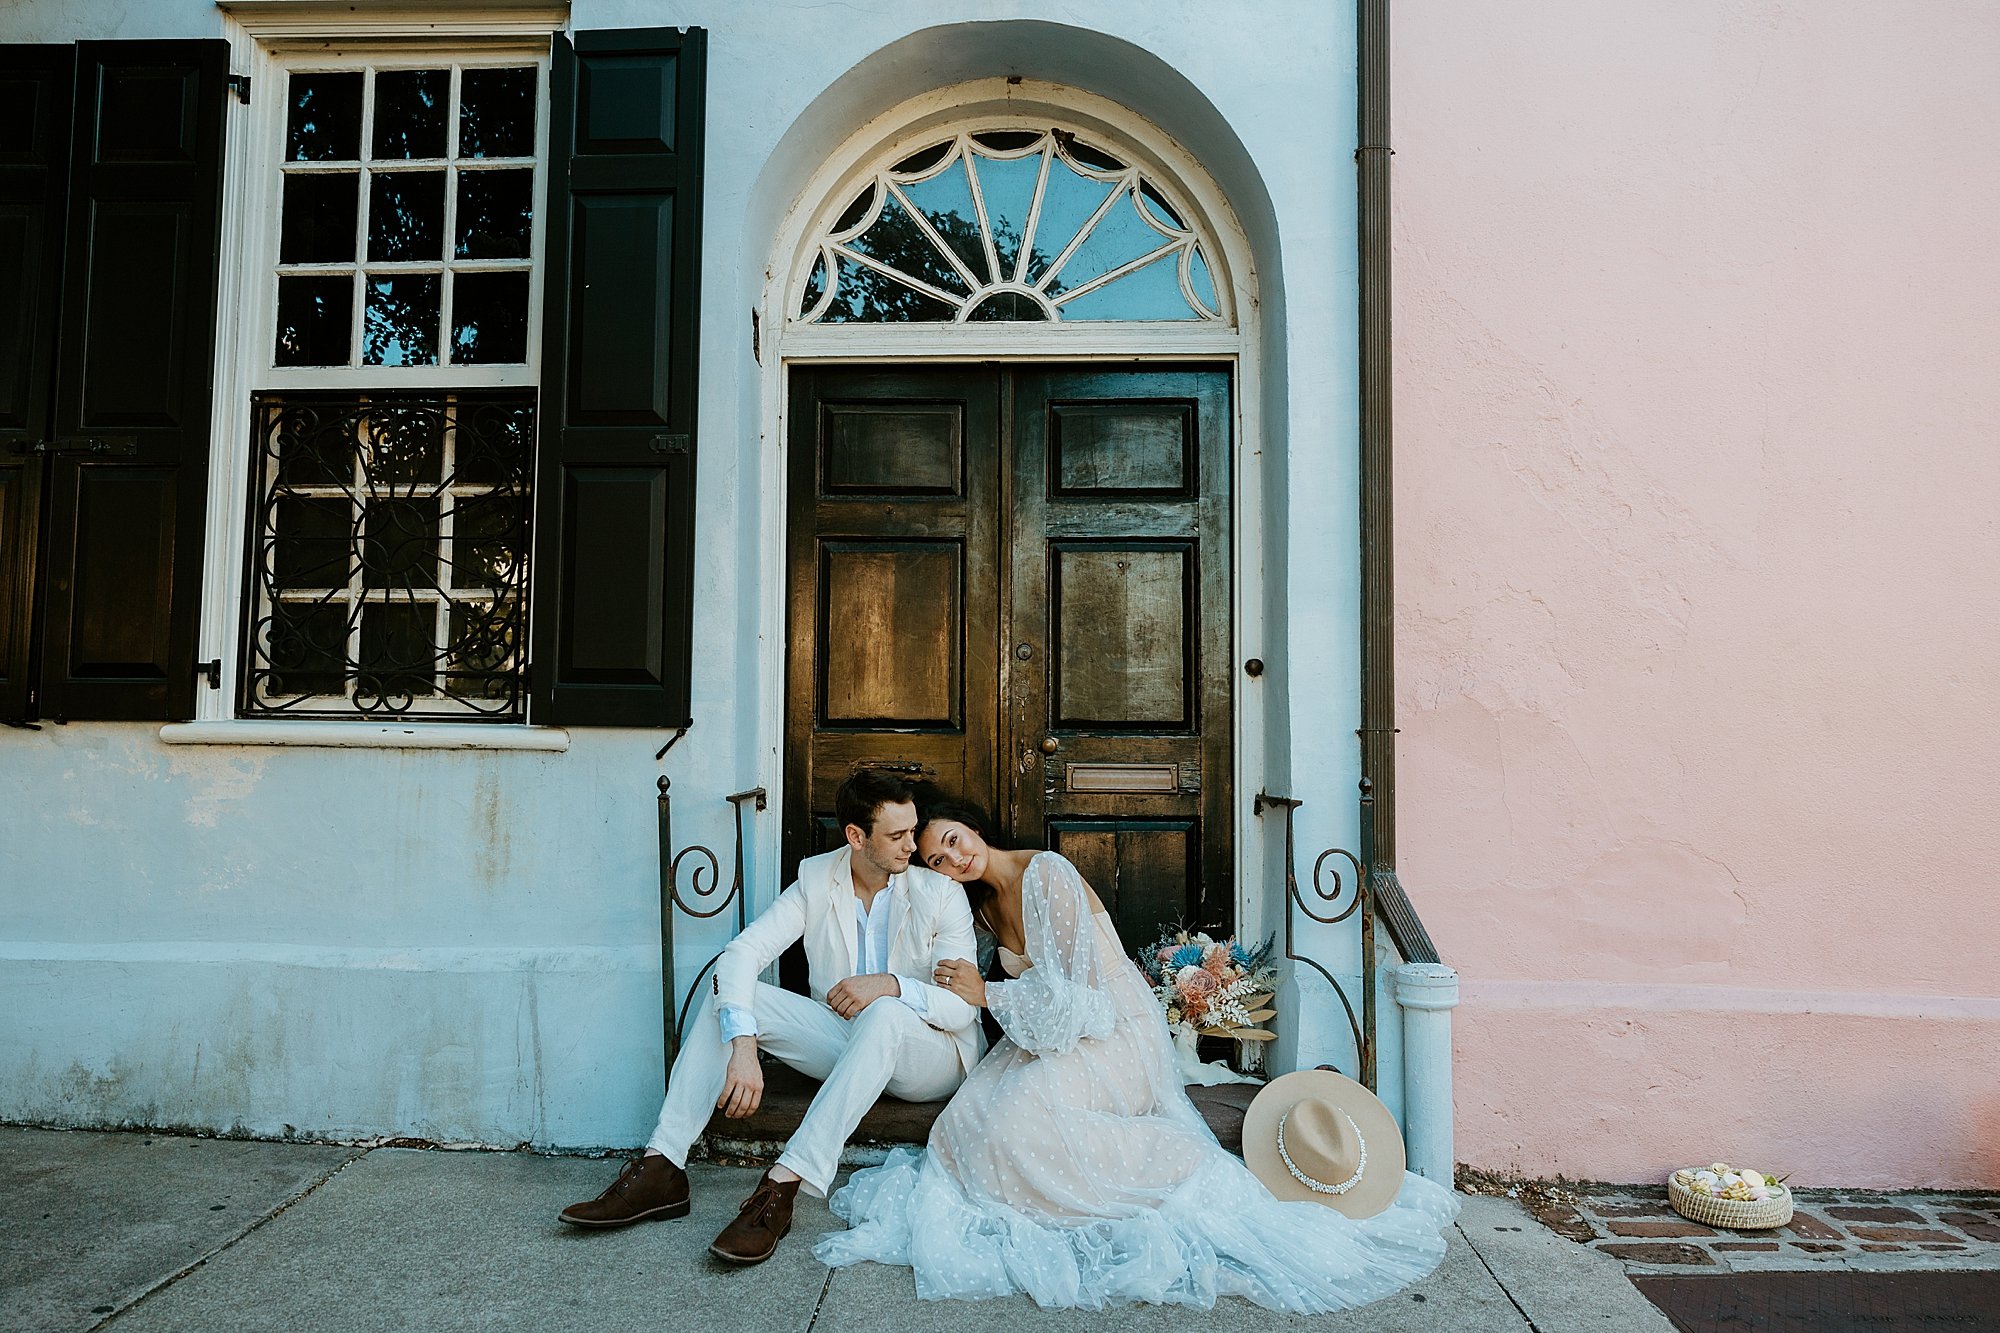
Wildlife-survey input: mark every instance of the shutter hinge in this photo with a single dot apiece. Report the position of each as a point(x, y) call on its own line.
point(239, 84)
point(211, 671)
point(669, 444)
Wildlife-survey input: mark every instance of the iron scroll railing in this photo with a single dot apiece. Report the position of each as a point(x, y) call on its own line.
point(1342, 884)
point(704, 882)
point(1372, 893)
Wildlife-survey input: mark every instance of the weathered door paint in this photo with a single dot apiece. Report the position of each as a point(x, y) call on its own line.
point(1016, 582)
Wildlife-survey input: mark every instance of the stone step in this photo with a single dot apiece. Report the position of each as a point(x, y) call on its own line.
point(891, 1123)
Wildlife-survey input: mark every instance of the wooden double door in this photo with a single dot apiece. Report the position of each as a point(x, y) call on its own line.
point(1014, 581)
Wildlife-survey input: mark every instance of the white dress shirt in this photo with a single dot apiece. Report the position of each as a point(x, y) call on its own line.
point(871, 954)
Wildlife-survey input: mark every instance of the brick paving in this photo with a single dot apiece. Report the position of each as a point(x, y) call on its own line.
point(1855, 1230)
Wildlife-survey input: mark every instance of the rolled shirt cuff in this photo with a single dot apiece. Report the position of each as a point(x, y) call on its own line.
point(913, 994)
point(736, 1023)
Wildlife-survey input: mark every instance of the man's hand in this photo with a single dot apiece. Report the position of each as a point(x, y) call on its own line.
point(743, 1081)
point(848, 998)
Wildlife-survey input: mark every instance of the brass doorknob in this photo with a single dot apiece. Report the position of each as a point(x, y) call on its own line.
point(1049, 745)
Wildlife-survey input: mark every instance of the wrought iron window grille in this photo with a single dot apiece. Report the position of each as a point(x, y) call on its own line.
point(389, 555)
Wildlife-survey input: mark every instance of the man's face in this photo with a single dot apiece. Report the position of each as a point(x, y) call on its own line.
point(890, 844)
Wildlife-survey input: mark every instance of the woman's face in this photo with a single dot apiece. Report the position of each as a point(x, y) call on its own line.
point(952, 849)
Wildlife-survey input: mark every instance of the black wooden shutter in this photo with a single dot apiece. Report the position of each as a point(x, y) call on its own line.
point(35, 105)
point(614, 580)
point(127, 479)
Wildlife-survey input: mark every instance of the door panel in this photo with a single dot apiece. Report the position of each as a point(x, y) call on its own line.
point(893, 622)
point(1122, 655)
point(1118, 688)
point(1147, 872)
point(1016, 582)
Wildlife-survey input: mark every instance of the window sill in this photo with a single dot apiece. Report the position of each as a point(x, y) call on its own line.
point(369, 735)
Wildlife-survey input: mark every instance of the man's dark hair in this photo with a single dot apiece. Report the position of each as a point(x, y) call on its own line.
point(865, 793)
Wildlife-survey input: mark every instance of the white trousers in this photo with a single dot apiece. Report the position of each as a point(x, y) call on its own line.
point(887, 1047)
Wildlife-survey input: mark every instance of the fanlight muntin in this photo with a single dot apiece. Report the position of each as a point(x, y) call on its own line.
point(1006, 224)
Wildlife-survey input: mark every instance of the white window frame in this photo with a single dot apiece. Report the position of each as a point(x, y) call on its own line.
point(888, 184)
point(997, 104)
point(268, 37)
point(264, 309)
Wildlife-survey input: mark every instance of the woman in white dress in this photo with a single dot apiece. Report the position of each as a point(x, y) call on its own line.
point(1071, 1165)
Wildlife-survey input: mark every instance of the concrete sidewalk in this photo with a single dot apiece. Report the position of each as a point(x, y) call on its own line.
point(150, 1232)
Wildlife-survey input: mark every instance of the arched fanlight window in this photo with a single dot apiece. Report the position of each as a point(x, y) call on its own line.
point(1009, 225)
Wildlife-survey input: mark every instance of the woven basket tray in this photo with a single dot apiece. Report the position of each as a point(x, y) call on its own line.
point(1735, 1214)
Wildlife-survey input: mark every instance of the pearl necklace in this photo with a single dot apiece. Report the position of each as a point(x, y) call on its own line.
point(1317, 1186)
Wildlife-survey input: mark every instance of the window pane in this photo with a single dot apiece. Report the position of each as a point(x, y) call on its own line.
point(1199, 279)
point(489, 318)
point(946, 201)
point(406, 216)
point(405, 442)
point(493, 445)
point(315, 321)
point(1008, 188)
point(1119, 237)
point(483, 656)
point(314, 444)
point(401, 323)
point(489, 534)
point(400, 544)
point(410, 107)
point(307, 649)
point(496, 113)
point(896, 240)
point(398, 653)
point(313, 542)
point(1153, 292)
point(1004, 306)
point(323, 118)
point(496, 213)
point(1067, 204)
point(865, 296)
point(319, 212)
point(815, 285)
point(438, 628)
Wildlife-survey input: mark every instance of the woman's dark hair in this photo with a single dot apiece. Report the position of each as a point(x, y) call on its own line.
point(935, 803)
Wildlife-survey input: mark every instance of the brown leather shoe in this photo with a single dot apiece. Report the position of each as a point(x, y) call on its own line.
point(760, 1224)
point(648, 1187)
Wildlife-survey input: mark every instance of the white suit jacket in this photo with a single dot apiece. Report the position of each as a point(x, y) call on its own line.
point(929, 921)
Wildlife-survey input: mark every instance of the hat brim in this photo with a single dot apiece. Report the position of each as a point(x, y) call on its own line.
point(1380, 1180)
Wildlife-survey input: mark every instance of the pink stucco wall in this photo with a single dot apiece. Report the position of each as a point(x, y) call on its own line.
point(1698, 561)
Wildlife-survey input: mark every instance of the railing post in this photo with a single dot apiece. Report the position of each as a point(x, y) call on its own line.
point(667, 896)
point(1427, 993)
point(672, 1006)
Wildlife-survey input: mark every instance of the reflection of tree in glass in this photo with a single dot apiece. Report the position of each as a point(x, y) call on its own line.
point(868, 296)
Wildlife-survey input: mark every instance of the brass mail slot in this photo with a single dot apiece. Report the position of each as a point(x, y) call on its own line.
point(1121, 777)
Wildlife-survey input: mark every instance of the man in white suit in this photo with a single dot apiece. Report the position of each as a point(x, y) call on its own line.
point(874, 927)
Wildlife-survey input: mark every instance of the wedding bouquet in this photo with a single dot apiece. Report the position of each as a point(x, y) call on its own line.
point(1211, 988)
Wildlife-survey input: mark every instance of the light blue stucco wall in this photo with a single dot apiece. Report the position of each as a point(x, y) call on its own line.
point(463, 945)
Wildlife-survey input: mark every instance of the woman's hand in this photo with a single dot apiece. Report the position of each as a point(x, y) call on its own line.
point(961, 979)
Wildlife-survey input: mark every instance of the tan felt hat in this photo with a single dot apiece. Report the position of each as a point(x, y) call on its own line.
point(1319, 1136)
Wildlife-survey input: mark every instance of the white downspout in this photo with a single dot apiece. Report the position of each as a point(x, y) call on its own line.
point(1427, 993)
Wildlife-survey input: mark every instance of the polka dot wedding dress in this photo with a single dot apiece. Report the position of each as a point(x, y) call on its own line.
point(1072, 1167)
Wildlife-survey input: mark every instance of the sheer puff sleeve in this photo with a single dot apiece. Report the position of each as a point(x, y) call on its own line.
point(1061, 999)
